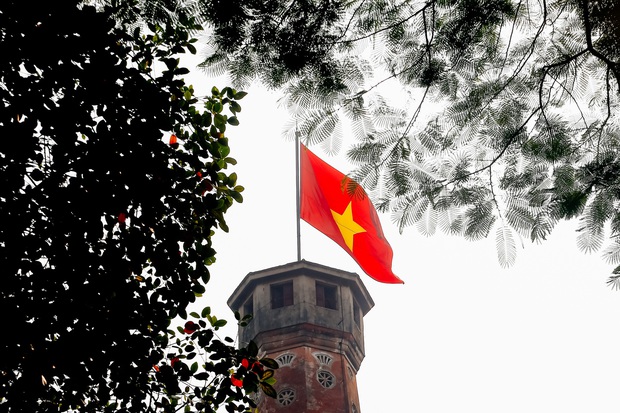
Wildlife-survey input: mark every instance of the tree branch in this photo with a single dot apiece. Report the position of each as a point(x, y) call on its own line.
point(492, 189)
point(391, 26)
point(346, 29)
point(499, 155)
point(600, 134)
point(521, 63)
point(613, 66)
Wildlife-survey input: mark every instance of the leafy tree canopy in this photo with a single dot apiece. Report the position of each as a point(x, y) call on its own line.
point(113, 179)
point(510, 115)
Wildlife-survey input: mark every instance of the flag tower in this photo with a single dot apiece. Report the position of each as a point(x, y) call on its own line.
point(309, 318)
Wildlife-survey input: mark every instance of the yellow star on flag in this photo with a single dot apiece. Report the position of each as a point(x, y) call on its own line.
point(347, 226)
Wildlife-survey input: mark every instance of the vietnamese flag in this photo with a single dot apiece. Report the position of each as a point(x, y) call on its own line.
point(340, 208)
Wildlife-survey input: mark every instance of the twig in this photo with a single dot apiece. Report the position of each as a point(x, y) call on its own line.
point(391, 26)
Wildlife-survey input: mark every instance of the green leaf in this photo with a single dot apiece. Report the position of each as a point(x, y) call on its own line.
point(240, 95)
point(506, 247)
point(224, 151)
point(220, 122)
point(235, 107)
point(268, 390)
point(198, 288)
point(223, 226)
point(233, 121)
point(205, 312)
point(37, 175)
point(201, 376)
point(252, 349)
point(270, 363)
point(571, 204)
point(236, 196)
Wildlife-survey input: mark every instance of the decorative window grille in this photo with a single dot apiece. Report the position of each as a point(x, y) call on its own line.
point(286, 397)
point(285, 359)
point(326, 379)
point(323, 358)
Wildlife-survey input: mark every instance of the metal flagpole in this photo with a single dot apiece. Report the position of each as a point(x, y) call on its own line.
point(298, 194)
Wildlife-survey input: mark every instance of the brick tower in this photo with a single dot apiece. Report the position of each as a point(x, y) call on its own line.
point(309, 318)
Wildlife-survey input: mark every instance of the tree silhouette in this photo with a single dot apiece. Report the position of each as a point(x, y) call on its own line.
point(113, 178)
point(507, 121)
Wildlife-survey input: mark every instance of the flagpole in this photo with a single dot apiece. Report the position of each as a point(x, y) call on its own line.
point(298, 193)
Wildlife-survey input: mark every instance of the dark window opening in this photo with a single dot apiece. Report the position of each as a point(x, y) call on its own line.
point(326, 296)
point(356, 313)
point(248, 307)
point(282, 295)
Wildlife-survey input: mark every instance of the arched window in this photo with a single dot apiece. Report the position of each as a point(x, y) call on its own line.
point(285, 359)
point(324, 359)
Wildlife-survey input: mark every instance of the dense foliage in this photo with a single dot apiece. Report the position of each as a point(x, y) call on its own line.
point(113, 178)
point(475, 116)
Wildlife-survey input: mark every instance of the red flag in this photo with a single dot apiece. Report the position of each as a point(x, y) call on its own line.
point(348, 218)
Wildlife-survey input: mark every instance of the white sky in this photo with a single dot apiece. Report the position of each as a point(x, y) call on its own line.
point(462, 334)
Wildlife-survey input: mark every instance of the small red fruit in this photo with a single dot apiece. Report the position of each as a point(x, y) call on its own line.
point(190, 327)
point(235, 381)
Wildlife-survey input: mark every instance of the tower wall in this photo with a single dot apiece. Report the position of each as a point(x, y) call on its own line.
point(322, 381)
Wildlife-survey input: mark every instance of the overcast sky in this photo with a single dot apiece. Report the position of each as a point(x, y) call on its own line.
point(462, 334)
